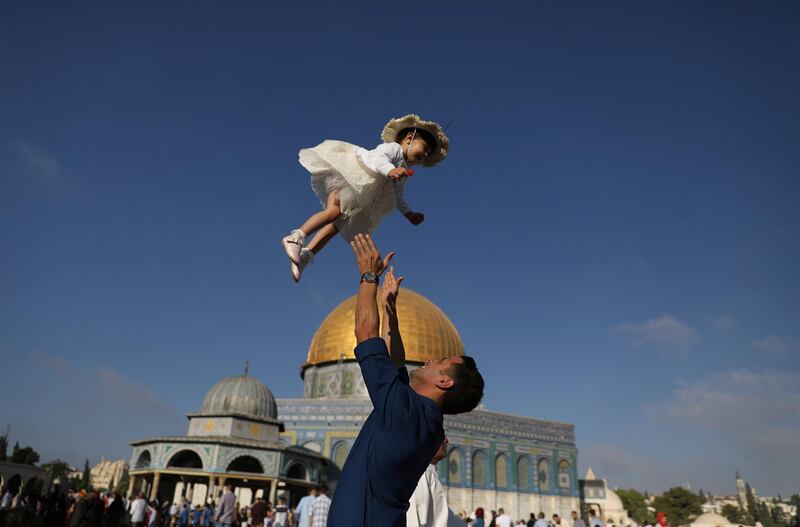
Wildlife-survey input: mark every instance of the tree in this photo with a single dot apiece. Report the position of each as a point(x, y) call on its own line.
point(121, 487)
point(794, 499)
point(733, 513)
point(679, 504)
point(4, 446)
point(634, 503)
point(86, 480)
point(59, 470)
point(24, 455)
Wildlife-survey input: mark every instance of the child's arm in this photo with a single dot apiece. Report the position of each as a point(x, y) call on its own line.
point(390, 330)
point(402, 205)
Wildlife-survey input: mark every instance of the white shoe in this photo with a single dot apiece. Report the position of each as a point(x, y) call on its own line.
point(306, 257)
point(292, 245)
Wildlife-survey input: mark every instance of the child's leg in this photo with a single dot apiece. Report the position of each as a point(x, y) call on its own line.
point(322, 238)
point(325, 217)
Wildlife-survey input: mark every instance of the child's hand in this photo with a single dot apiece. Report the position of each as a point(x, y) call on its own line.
point(391, 288)
point(397, 173)
point(415, 217)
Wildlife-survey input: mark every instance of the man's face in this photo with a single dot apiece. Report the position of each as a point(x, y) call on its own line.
point(434, 372)
point(441, 453)
point(574, 515)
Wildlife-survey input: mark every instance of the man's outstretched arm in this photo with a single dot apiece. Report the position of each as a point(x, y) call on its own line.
point(390, 330)
point(367, 323)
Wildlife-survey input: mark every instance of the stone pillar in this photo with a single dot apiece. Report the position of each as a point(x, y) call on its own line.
point(273, 491)
point(211, 489)
point(189, 492)
point(156, 481)
point(132, 485)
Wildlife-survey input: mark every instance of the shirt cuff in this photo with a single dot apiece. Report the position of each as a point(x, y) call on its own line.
point(373, 346)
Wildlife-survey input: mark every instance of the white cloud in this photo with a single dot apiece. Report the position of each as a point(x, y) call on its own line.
point(751, 417)
point(37, 162)
point(776, 344)
point(722, 323)
point(664, 332)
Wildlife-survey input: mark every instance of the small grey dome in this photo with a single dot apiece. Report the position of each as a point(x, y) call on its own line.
point(240, 394)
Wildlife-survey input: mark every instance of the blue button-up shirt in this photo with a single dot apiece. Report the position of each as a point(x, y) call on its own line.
point(393, 449)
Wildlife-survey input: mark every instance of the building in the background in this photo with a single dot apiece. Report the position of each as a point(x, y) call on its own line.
point(715, 503)
point(20, 480)
point(107, 474)
point(495, 460)
point(596, 495)
point(235, 440)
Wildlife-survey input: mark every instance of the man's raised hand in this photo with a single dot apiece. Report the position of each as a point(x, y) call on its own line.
point(391, 288)
point(367, 255)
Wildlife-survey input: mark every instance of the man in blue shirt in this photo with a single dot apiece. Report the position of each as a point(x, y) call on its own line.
point(404, 430)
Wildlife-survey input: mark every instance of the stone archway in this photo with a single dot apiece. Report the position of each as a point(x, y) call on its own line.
point(245, 464)
point(186, 459)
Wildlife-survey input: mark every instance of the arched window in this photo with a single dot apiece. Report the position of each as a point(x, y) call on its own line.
point(479, 468)
point(296, 471)
point(340, 452)
point(454, 466)
point(143, 461)
point(186, 459)
point(501, 471)
point(522, 472)
point(245, 464)
point(543, 471)
point(564, 474)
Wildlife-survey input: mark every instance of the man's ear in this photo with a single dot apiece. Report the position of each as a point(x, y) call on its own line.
point(443, 382)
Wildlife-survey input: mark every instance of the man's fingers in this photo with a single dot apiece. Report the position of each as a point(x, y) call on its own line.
point(388, 259)
point(370, 243)
point(400, 281)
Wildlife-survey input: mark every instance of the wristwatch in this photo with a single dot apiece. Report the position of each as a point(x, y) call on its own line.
point(370, 277)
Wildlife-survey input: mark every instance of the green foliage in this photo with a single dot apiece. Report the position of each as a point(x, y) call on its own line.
point(86, 480)
point(24, 455)
point(634, 503)
point(733, 513)
point(680, 505)
point(58, 470)
point(122, 485)
point(4, 447)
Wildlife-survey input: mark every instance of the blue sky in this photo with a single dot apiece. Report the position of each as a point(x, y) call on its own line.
point(614, 232)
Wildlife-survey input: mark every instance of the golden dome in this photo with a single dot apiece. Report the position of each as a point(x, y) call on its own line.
point(426, 330)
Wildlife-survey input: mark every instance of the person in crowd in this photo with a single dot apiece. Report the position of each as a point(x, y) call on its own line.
point(280, 516)
point(138, 510)
point(503, 519)
point(226, 509)
point(594, 521)
point(541, 521)
point(115, 512)
point(577, 521)
point(320, 509)
point(304, 507)
point(479, 518)
point(428, 504)
point(258, 511)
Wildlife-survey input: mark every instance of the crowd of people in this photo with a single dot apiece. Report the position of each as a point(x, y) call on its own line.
point(499, 518)
point(104, 509)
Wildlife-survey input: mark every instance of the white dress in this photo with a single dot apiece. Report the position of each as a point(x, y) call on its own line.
point(366, 194)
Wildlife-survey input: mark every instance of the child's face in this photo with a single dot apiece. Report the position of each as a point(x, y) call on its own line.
point(415, 151)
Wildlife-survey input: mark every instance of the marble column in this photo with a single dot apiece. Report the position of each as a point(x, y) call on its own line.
point(132, 485)
point(156, 481)
point(273, 491)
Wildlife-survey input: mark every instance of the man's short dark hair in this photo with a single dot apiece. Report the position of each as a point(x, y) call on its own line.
point(467, 389)
point(323, 489)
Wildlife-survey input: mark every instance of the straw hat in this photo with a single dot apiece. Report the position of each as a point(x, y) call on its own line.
point(393, 127)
